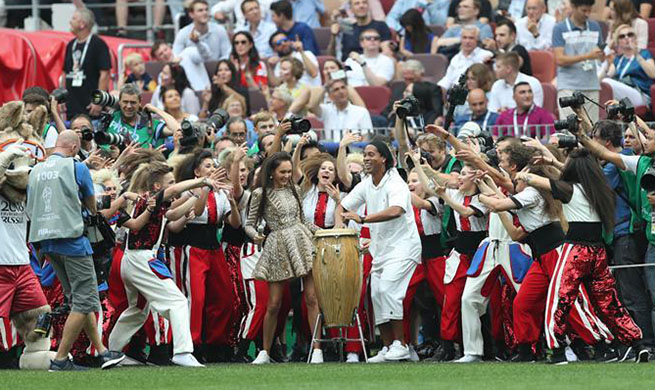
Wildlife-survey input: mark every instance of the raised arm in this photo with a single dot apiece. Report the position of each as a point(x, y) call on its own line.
point(171, 123)
point(342, 167)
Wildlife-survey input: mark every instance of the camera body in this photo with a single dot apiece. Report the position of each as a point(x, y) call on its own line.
point(103, 98)
point(299, 125)
point(570, 123)
point(624, 109)
point(458, 93)
point(574, 101)
point(103, 202)
point(60, 95)
point(566, 140)
point(189, 134)
point(87, 134)
point(408, 106)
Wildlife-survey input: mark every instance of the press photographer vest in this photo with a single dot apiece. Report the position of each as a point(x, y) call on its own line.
point(642, 204)
point(54, 205)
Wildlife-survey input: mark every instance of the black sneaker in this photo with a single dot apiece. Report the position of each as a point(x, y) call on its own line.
point(110, 359)
point(444, 353)
point(524, 354)
point(605, 353)
point(642, 356)
point(558, 357)
point(65, 365)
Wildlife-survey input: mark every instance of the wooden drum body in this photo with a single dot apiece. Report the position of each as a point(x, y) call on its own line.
point(337, 273)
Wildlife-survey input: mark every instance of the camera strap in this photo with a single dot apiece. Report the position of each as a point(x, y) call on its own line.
point(77, 62)
point(624, 70)
point(484, 123)
point(525, 122)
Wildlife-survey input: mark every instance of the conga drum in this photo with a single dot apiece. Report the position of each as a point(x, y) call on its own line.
point(337, 275)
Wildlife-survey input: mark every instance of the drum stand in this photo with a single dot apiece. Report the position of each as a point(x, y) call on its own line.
point(341, 339)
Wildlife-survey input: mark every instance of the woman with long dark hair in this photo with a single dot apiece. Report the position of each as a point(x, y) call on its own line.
point(588, 204)
point(252, 71)
point(287, 245)
point(224, 84)
point(173, 75)
point(418, 37)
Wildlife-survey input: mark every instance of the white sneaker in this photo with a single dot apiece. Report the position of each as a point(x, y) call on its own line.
point(397, 351)
point(413, 356)
point(262, 358)
point(469, 359)
point(352, 358)
point(317, 356)
point(379, 358)
point(186, 360)
point(570, 355)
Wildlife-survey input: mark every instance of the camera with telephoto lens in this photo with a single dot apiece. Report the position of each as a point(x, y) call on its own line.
point(576, 100)
point(570, 123)
point(218, 118)
point(566, 140)
point(189, 134)
point(104, 99)
point(44, 320)
point(426, 158)
point(87, 134)
point(60, 95)
point(624, 108)
point(299, 125)
point(104, 138)
point(408, 106)
point(457, 93)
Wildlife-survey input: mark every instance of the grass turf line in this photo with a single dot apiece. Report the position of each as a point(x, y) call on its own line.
point(405, 376)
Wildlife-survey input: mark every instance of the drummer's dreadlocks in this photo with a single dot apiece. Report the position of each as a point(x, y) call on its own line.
point(266, 181)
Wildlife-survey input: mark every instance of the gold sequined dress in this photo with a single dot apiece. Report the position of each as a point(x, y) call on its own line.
point(288, 249)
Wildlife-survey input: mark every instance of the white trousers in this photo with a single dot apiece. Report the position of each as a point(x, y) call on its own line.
point(620, 91)
point(162, 295)
point(591, 108)
point(474, 303)
point(388, 289)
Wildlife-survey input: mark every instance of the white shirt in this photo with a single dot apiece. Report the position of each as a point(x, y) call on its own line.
point(310, 202)
point(261, 36)
point(531, 209)
point(214, 45)
point(50, 137)
point(477, 223)
point(544, 41)
point(460, 63)
point(579, 209)
point(394, 240)
point(351, 118)
point(13, 233)
point(306, 79)
point(381, 66)
point(502, 93)
point(227, 7)
point(223, 208)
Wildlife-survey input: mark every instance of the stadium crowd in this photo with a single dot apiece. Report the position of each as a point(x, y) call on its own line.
point(186, 194)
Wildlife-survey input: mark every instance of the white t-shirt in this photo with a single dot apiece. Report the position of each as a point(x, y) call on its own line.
point(531, 209)
point(222, 209)
point(502, 93)
point(476, 222)
point(381, 66)
point(306, 79)
point(13, 233)
point(351, 118)
point(578, 209)
point(394, 240)
point(50, 137)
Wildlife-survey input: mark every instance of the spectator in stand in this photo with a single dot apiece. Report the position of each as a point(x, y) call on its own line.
point(418, 37)
point(468, 12)
point(576, 45)
point(507, 74)
point(279, 102)
point(251, 71)
point(284, 47)
point(340, 114)
point(505, 42)
point(172, 102)
point(363, 21)
point(283, 19)
point(236, 109)
point(291, 70)
point(333, 70)
point(372, 67)
point(412, 72)
point(201, 41)
point(632, 72)
point(642, 7)
point(623, 12)
point(138, 75)
point(477, 76)
point(228, 10)
point(173, 74)
point(485, 15)
point(535, 30)
point(525, 114)
point(86, 65)
point(468, 55)
point(196, 71)
point(308, 11)
point(260, 29)
point(224, 84)
point(122, 10)
point(480, 114)
point(433, 12)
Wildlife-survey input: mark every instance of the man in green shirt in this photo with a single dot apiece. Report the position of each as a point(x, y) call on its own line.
point(129, 119)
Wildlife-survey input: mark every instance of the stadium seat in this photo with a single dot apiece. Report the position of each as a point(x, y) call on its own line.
point(322, 35)
point(550, 98)
point(437, 29)
point(386, 5)
point(321, 61)
point(605, 95)
point(376, 98)
point(153, 68)
point(652, 100)
point(543, 65)
point(257, 100)
point(651, 35)
point(146, 97)
point(435, 65)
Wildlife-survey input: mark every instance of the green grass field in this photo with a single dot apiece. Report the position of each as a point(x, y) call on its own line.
point(407, 376)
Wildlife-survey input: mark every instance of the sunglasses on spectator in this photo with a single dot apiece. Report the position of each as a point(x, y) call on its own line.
point(240, 42)
point(281, 41)
point(627, 35)
point(371, 38)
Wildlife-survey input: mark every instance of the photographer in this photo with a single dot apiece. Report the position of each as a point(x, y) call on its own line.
point(135, 122)
point(59, 232)
point(340, 114)
point(37, 96)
